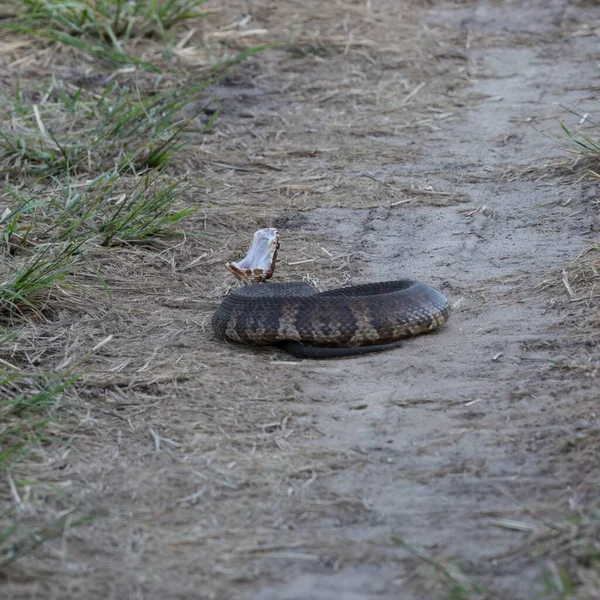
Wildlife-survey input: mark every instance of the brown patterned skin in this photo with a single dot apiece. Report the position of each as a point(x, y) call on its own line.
point(340, 322)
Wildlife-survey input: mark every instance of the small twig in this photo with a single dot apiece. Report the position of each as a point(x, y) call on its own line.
point(156, 439)
point(194, 262)
point(449, 572)
point(14, 492)
point(193, 497)
point(565, 280)
point(97, 347)
point(38, 120)
point(514, 525)
point(9, 365)
point(472, 402)
point(543, 522)
point(413, 93)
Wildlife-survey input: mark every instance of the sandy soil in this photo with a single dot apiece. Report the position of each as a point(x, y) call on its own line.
point(404, 143)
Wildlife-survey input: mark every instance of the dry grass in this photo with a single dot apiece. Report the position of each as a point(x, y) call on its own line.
point(160, 430)
point(571, 548)
point(202, 464)
point(581, 279)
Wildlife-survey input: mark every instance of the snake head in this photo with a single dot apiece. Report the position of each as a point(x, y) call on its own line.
point(259, 264)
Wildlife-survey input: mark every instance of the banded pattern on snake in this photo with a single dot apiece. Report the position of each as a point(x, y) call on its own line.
point(341, 322)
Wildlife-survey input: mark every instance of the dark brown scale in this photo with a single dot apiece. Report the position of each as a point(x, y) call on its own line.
point(351, 320)
point(325, 321)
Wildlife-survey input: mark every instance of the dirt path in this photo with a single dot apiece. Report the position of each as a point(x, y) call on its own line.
point(399, 145)
point(460, 428)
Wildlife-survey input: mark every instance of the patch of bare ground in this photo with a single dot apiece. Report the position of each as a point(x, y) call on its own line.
point(386, 140)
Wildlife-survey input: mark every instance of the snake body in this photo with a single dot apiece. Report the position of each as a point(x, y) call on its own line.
point(340, 322)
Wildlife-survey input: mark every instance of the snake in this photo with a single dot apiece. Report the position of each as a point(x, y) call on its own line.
point(344, 321)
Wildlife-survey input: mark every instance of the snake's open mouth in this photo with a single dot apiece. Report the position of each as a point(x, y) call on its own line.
point(259, 264)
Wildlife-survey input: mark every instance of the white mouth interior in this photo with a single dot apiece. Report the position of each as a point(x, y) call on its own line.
point(261, 252)
point(259, 264)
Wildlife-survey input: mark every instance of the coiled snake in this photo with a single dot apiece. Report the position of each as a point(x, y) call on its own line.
point(340, 322)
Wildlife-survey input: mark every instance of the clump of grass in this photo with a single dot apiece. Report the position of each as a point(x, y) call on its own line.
point(574, 566)
point(46, 242)
point(71, 132)
point(105, 28)
point(14, 546)
point(142, 214)
point(584, 144)
point(108, 211)
point(27, 401)
point(110, 214)
point(30, 281)
point(111, 20)
point(32, 265)
point(581, 143)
